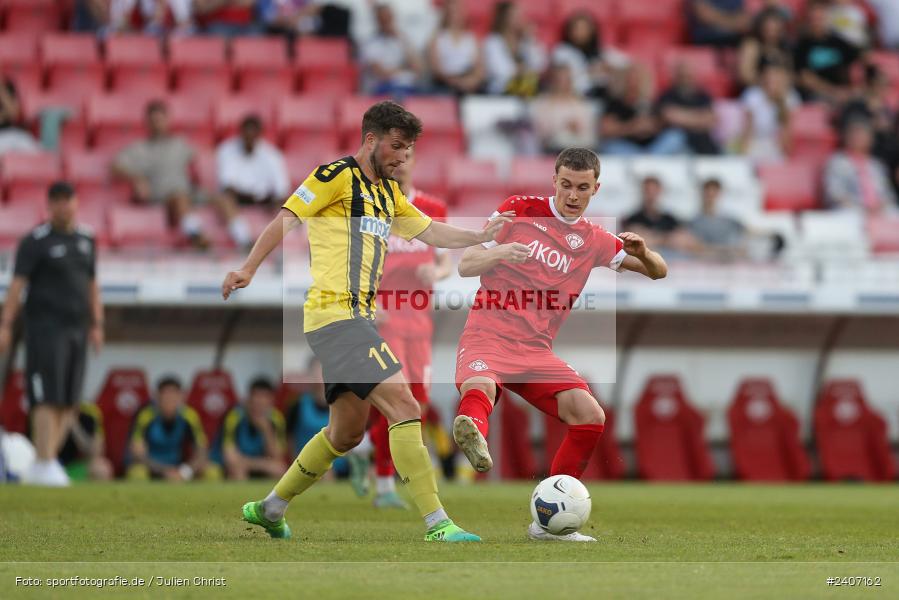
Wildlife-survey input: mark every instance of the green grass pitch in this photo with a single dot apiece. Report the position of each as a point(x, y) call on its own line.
point(655, 541)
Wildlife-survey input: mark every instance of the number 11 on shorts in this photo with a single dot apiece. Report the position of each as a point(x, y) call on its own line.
point(373, 353)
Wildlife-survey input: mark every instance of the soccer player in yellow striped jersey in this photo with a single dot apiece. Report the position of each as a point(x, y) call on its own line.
point(351, 206)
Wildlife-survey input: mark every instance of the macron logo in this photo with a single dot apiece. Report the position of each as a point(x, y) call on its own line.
point(549, 256)
point(374, 226)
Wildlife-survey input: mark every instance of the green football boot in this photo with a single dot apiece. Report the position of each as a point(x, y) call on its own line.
point(252, 513)
point(447, 531)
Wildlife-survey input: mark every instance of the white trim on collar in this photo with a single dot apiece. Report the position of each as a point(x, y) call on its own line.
point(552, 206)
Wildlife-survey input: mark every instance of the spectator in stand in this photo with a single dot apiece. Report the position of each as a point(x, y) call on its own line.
point(251, 172)
point(167, 440)
point(767, 110)
point(227, 17)
point(768, 42)
point(82, 452)
point(659, 228)
point(719, 236)
point(849, 21)
point(591, 63)
point(823, 59)
point(853, 178)
point(563, 118)
point(13, 138)
point(253, 435)
point(158, 169)
point(630, 126)
point(513, 58)
point(390, 65)
point(887, 23)
point(153, 17)
point(686, 107)
point(872, 104)
point(290, 17)
point(454, 55)
point(717, 22)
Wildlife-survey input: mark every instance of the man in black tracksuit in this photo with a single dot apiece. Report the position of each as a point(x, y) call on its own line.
point(56, 263)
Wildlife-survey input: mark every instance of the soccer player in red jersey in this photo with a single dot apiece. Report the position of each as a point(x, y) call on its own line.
point(405, 321)
point(530, 275)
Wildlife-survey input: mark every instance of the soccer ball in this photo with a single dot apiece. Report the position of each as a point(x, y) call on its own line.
point(560, 504)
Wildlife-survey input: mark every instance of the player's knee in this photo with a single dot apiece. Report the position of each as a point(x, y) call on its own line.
point(346, 439)
point(582, 409)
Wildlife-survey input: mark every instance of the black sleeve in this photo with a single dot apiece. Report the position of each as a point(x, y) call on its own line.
point(293, 415)
point(93, 270)
point(800, 56)
point(27, 257)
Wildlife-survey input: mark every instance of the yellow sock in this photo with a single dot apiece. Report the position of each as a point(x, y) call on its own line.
point(410, 457)
point(310, 465)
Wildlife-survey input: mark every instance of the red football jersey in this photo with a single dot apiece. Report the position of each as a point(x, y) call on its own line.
point(405, 297)
point(528, 302)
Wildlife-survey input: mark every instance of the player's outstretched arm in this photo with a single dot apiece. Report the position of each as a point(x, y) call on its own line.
point(478, 260)
point(442, 235)
point(641, 259)
point(268, 241)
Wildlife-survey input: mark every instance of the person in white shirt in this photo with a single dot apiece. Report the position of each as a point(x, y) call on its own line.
point(562, 117)
point(767, 109)
point(454, 55)
point(389, 64)
point(592, 64)
point(251, 172)
point(512, 57)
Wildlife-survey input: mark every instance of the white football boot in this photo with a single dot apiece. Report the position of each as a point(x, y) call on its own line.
point(472, 443)
point(535, 532)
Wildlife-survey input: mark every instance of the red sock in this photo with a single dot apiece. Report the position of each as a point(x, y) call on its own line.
point(477, 405)
point(380, 439)
point(576, 449)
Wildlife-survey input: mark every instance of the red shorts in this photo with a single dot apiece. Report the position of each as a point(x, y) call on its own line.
point(414, 352)
point(535, 374)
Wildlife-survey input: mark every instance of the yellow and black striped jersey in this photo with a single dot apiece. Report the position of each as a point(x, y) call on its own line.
point(353, 218)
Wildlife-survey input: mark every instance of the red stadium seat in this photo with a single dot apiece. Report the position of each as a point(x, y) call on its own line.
point(349, 118)
point(442, 132)
point(532, 176)
point(813, 136)
point(324, 66)
point(429, 173)
point(199, 66)
point(670, 444)
point(306, 122)
point(93, 216)
point(139, 226)
point(212, 396)
point(257, 219)
point(27, 192)
point(16, 221)
point(302, 162)
point(122, 396)
point(32, 16)
point(789, 185)
point(14, 405)
point(192, 117)
point(475, 181)
point(517, 459)
point(135, 64)
point(28, 169)
point(852, 439)
point(764, 436)
point(214, 230)
point(86, 167)
point(656, 23)
point(702, 63)
point(606, 462)
point(888, 62)
point(18, 55)
point(105, 194)
point(229, 112)
point(35, 102)
point(72, 64)
point(114, 121)
point(205, 171)
point(883, 233)
point(261, 66)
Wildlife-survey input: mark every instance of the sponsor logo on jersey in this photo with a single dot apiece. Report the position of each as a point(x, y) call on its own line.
point(478, 365)
point(374, 226)
point(304, 194)
point(84, 246)
point(57, 251)
point(574, 240)
point(549, 256)
point(539, 226)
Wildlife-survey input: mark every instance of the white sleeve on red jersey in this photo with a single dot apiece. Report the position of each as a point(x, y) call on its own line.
point(509, 204)
point(610, 252)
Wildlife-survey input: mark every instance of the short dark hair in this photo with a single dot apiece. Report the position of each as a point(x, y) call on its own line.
point(578, 159)
point(60, 190)
point(251, 120)
point(262, 383)
point(168, 381)
point(711, 182)
point(651, 179)
point(156, 105)
point(380, 118)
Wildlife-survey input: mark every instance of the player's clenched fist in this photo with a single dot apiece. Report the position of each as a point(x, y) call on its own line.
point(493, 226)
point(514, 252)
point(235, 280)
point(633, 244)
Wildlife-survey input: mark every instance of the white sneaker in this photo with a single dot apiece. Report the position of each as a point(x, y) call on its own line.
point(42, 473)
point(535, 532)
point(472, 443)
point(59, 475)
